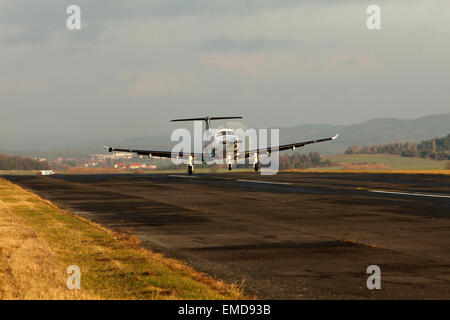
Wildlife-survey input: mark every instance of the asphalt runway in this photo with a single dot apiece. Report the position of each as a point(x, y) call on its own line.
point(288, 236)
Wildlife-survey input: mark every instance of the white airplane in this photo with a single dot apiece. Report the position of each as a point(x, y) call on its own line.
point(225, 140)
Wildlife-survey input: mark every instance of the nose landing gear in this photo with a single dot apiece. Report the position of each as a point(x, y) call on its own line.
point(190, 169)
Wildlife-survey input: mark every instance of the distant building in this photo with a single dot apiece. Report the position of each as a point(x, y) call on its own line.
point(120, 165)
point(135, 166)
point(123, 155)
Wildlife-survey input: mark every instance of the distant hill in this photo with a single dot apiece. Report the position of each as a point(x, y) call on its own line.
point(376, 131)
point(436, 148)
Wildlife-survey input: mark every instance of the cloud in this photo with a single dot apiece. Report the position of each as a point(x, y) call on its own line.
point(157, 84)
point(132, 9)
point(90, 33)
point(283, 63)
point(30, 12)
point(10, 87)
point(248, 44)
point(38, 34)
point(214, 54)
point(40, 21)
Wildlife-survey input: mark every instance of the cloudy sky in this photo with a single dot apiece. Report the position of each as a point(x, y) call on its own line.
point(136, 64)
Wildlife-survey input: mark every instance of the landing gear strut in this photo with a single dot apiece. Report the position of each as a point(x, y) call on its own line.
point(190, 165)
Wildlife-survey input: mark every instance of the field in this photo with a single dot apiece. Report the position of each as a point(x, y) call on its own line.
point(38, 241)
point(393, 161)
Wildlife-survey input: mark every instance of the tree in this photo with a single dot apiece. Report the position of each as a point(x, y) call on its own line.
point(19, 163)
point(436, 148)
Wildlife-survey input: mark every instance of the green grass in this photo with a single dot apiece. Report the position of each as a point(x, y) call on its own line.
point(113, 265)
point(395, 162)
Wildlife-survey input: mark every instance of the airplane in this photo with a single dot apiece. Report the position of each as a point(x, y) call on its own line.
point(222, 139)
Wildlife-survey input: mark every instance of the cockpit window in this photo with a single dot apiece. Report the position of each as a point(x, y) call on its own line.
point(225, 133)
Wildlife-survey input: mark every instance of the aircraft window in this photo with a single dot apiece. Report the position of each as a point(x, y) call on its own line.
point(224, 133)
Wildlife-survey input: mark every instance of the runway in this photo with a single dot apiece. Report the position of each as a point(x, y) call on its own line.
point(287, 236)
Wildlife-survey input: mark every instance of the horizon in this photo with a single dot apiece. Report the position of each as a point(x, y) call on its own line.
point(62, 143)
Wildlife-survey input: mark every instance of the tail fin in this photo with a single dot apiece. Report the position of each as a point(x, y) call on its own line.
point(206, 119)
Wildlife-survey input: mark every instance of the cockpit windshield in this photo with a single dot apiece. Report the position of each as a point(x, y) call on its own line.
point(225, 133)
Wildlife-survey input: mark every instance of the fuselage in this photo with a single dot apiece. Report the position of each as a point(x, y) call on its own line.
point(223, 146)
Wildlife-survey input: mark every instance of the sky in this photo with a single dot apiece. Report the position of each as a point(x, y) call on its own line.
point(136, 64)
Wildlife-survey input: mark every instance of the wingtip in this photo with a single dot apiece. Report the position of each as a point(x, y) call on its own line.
point(337, 135)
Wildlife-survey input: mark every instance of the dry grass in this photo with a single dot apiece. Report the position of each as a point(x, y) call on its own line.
point(365, 167)
point(444, 172)
point(38, 241)
point(28, 267)
point(83, 170)
point(18, 172)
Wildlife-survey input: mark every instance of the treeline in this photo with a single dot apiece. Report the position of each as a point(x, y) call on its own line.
point(303, 161)
point(19, 163)
point(437, 149)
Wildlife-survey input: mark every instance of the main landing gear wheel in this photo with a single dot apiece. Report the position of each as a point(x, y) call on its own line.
point(190, 169)
point(229, 167)
point(256, 167)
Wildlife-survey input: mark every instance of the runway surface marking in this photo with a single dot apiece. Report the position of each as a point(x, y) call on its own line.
point(268, 182)
point(406, 193)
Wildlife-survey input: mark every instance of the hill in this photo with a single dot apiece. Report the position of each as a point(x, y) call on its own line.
point(377, 131)
point(436, 148)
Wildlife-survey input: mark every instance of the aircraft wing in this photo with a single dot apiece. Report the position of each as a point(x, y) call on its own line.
point(155, 153)
point(290, 146)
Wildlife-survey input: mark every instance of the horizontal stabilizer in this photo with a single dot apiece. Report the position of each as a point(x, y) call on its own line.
point(205, 119)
